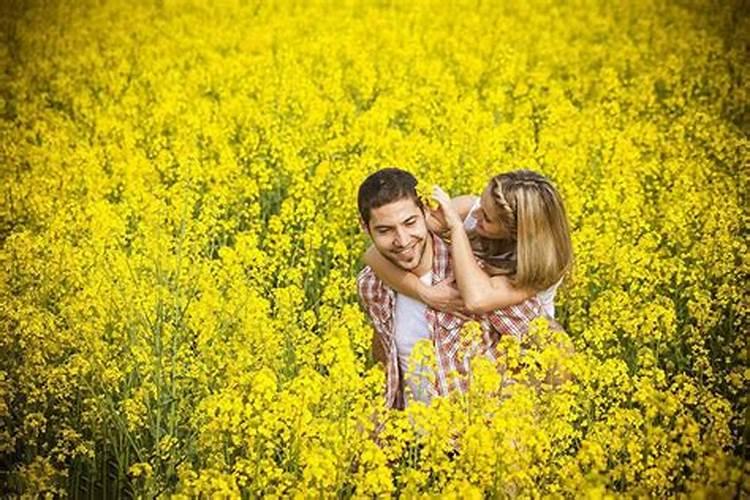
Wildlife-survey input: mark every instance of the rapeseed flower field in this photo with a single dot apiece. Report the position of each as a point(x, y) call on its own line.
point(179, 245)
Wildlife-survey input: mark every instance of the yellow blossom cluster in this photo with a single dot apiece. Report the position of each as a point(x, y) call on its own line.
point(179, 243)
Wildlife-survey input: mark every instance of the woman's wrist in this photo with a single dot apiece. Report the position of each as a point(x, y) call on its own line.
point(423, 291)
point(456, 229)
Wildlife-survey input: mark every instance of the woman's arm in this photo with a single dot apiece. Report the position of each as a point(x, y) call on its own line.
point(441, 296)
point(481, 293)
point(434, 217)
point(401, 281)
point(463, 204)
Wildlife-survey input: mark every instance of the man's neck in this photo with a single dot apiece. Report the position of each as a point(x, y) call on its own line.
point(425, 264)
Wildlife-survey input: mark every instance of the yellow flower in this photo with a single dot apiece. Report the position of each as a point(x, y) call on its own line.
point(179, 246)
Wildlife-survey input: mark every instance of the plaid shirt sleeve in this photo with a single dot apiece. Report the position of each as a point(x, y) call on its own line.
point(378, 302)
point(446, 330)
point(374, 297)
point(514, 320)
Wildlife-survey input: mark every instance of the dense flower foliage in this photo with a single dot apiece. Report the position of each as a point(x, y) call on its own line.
point(179, 243)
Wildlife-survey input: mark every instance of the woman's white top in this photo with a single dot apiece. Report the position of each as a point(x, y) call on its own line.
point(546, 297)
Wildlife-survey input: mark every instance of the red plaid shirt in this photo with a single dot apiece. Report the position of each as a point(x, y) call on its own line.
point(451, 353)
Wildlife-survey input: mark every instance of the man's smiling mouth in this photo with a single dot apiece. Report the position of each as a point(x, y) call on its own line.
point(406, 249)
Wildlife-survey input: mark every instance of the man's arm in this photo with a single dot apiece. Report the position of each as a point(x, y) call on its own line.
point(378, 349)
point(371, 294)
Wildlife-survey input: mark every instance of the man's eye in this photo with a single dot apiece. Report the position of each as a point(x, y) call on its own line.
point(411, 222)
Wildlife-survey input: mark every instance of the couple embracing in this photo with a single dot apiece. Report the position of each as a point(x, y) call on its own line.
point(496, 259)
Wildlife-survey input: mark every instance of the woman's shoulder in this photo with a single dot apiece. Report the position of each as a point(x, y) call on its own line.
point(464, 204)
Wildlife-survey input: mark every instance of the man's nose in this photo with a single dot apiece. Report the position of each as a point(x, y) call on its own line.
point(401, 237)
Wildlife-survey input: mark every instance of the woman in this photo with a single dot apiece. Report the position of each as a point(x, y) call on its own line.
point(510, 245)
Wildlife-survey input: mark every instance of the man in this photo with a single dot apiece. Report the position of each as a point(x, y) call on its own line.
point(393, 216)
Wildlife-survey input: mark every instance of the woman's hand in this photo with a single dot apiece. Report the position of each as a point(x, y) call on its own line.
point(446, 210)
point(442, 296)
point(435, 221)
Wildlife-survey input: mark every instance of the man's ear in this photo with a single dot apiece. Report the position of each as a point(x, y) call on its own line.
point(363, 226)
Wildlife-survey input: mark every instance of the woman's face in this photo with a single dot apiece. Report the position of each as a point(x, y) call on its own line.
point(489, 224)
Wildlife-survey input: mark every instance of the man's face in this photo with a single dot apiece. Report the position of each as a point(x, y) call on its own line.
point(398, 230)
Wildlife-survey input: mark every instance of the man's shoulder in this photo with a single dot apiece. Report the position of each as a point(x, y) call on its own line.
point(374, 295)
point(366, 275)
point(368, 283)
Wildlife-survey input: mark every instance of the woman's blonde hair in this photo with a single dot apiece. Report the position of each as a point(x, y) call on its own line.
point(538, 251)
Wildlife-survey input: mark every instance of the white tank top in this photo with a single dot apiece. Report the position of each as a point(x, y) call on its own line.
point(470, 222)
point(410, 325)
point(546, 297)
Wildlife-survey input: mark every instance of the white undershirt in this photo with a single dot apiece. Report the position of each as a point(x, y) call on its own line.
point(410, 323)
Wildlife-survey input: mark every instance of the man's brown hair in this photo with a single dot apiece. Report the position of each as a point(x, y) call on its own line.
point(383, 187)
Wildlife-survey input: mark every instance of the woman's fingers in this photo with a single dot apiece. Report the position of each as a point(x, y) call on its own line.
point(446, 297)
point(437, 214)
point(452, 218)
point(441, 197)
point(461, 315)
point(436, 221)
